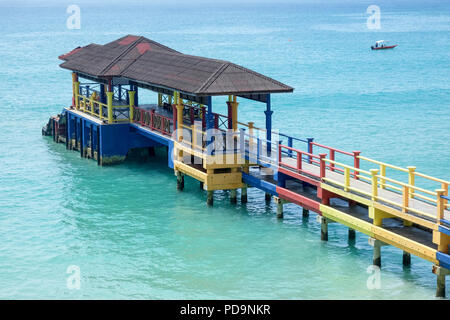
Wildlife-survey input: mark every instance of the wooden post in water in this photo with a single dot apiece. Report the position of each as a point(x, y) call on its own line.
point(279, 203)
point(305, 213)
point(440, 273)
point(406, 259)
point(180, 181)
point(210, 198)
point(244, 198)
point(351, 234)
point(233, 196)
point(323, 228)
point(376, 244)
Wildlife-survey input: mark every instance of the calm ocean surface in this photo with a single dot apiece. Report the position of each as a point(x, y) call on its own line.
point(128, 229)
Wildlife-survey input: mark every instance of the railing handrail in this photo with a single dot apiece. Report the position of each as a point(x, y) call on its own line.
point(346, 166)
point(299, 151)
point(79, 95)
point(331, 148)
point(431, 178)
point(410, 186)
point(293, 138)
point(384, 164)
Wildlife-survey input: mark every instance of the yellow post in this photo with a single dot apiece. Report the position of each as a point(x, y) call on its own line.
point(374, 173)
point(77, 90)
point(405, 197)
point(74, 79)
point(445, 187)
point(109, 99)
point(131, 98)
point(180, 108)
point(234, 117)
point(100, 111)
point(440, 205)
point(194, 137)
point(159, 99)
point(346, 178)
point(411, 170)
point(250, 133)
point(383, 173)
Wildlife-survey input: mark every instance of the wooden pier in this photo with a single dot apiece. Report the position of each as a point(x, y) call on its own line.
point(106, 122)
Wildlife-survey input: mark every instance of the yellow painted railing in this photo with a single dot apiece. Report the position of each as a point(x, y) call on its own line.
point(373, 184)
point(412, 174)
point(96, 108)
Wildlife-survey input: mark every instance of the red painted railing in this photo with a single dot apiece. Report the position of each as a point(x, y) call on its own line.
point(152, 120)
point(332, 154)
point(314, 159)
point(299, 157)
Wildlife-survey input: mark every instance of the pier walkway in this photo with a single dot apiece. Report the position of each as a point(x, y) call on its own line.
point(393, 205)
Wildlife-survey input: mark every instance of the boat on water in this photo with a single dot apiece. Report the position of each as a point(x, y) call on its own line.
point(382, 45)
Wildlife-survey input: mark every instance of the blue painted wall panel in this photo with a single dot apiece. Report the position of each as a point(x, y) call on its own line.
point(260, 184)
point(444, 259)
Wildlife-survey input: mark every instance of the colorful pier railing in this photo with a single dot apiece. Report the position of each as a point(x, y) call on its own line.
point(300, 171)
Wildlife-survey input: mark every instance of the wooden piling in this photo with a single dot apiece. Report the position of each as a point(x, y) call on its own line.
point(279, 203)
point(244, 198)
point(233, 196)
point(323, 228)
point(440, 273)
point(351, 234)
point(210, 198)
point(305, 213)
point(376, 244)
point(180, 181)
point(406, 259)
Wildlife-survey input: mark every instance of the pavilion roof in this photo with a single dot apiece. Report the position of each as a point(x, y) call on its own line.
point(149, 62)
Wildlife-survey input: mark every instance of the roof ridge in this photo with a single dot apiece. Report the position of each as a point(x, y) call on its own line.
point(214, 76)
point(260, 75)
point(131, 47)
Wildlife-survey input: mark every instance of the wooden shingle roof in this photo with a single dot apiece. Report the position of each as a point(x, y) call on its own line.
point(146, 61)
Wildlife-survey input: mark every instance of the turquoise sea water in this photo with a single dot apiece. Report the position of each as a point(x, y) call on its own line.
point(128, 229)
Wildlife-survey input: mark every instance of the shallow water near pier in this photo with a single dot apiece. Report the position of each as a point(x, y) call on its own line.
point(128, 229)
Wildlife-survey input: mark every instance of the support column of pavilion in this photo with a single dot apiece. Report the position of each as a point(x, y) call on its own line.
point(443, 242)
point(179, 152)
point(209, 127)
point(268, 113)
point(233, 127)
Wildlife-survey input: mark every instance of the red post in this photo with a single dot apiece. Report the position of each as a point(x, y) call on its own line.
point(299, 160)
point(322, 164)
point(141, 120)
point(279, 154)
point(191, 114)
point(332, 158)
point(230, 115)
point(356, 163)
point(203, 117)
point(152, 114)
point(310, 148)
